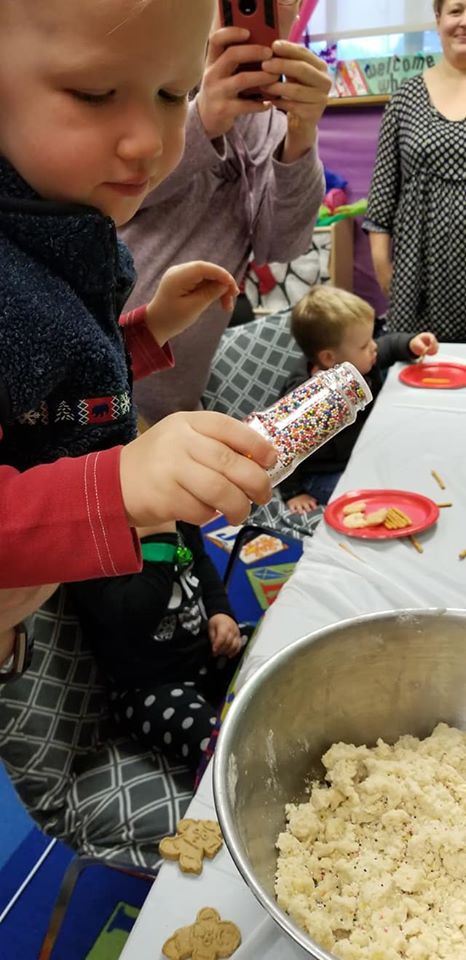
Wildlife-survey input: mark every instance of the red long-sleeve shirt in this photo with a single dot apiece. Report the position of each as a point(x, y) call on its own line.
point(66, 520)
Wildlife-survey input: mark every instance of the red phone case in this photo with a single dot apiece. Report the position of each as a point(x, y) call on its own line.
point(260, 17)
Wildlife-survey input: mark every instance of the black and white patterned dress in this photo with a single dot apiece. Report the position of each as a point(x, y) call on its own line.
point(418, 195)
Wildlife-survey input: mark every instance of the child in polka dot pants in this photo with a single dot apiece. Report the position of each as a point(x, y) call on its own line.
point(166, 640)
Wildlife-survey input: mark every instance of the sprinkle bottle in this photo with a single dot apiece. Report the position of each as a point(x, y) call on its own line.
point(303, 420)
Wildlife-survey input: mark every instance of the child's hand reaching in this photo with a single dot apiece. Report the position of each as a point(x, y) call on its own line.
point(302, 503)
point(184, 293)
point(190, 465)
point(224, 636)
point(424, 343)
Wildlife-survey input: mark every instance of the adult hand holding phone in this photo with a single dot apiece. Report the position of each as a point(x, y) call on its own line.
point(301, 89)
point(302, 95)
point(219, 100)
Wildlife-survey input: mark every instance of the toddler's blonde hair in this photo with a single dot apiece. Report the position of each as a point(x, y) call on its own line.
point(320, 320)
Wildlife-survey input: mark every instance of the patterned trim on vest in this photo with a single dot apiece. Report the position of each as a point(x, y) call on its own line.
point(90, 410)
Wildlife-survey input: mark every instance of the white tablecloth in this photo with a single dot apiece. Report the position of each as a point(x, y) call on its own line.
point(409, 433)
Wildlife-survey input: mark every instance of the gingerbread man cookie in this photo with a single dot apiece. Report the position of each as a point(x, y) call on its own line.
point(209, 938)
point(194, 840)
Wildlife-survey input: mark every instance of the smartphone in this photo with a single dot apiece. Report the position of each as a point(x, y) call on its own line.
point(260, 17)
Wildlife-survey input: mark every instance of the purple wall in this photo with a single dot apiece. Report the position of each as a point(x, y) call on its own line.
point(347, 144)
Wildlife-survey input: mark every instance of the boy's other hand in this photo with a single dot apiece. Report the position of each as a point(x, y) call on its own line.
point(224, 636)
point(190, 466)
point(184, 293)
point(424, 344)
point(302, 504)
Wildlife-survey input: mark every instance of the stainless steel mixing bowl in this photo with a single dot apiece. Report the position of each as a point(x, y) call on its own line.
point(375, 676)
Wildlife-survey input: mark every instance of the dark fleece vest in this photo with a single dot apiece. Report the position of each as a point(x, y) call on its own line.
point(65, 379)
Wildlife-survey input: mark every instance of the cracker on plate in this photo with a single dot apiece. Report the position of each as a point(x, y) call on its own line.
point(358, 506)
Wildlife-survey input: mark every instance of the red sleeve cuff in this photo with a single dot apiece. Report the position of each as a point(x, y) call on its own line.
point(146, 354)
point(65, 521)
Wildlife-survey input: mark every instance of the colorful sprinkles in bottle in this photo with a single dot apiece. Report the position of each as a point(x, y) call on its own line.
point(300, 422)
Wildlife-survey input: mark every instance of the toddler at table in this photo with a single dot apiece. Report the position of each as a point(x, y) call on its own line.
point(166, 640)
point(332, 326)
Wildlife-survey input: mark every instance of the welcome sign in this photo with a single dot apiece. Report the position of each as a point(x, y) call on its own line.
point(379, 76)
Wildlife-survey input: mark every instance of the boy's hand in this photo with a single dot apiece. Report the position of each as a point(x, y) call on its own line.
point(218, 100)
point(424, 344)
point(191, 465)
point(301, 504)
point(303, 95)
point(184, 293)
point(224, 636)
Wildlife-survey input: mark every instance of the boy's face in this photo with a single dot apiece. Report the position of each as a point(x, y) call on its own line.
point(358, 347)
point(93, 94)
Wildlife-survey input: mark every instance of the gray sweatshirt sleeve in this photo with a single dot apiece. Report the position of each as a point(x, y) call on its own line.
point(200, 154)
point(285, 197)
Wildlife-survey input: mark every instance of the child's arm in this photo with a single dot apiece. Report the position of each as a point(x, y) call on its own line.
point(73, 519)
point(146, 355)
point(424, 344)
point(183, 294)
point(65, 521)
point(223, 630)
point(393, 347)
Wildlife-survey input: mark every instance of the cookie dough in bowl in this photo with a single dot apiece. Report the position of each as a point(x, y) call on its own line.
point(373, 865)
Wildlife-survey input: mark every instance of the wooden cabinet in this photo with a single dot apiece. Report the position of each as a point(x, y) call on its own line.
point(337, 241)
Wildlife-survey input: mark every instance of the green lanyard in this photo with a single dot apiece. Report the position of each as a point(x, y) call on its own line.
point(167, 553)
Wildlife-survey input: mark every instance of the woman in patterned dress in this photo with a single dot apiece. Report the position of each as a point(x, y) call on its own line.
point(416, 216)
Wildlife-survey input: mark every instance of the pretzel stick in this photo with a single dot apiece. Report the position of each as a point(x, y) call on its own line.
point(438, 479)
point(435, 380)
point(417, 546)
point(443, 504)
point(345, 547)
point(422, 355)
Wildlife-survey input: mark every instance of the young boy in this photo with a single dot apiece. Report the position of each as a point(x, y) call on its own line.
point(166, 640)
point(331, 326)
point(92, 110)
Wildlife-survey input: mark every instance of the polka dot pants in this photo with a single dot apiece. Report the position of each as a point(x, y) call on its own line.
point(176, 718)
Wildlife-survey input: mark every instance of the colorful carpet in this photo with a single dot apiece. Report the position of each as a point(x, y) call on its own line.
point(261, 569)
point(101, 910)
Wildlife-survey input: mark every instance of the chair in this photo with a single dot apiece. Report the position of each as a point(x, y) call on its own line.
point(80, 780)
point(251, 365)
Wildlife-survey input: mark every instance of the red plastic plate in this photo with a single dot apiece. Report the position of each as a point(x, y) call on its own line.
point(423, 512)
point(434, 376)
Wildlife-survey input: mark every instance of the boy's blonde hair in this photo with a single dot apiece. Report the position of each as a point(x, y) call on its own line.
point(320, 320)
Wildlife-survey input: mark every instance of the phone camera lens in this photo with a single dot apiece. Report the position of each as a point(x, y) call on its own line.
point(248, 7)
